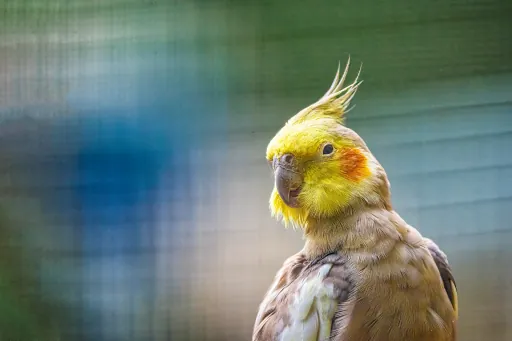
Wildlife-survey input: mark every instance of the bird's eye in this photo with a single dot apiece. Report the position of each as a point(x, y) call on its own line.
point(328, 149)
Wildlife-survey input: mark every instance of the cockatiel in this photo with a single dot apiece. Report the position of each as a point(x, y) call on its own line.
point(364, 274)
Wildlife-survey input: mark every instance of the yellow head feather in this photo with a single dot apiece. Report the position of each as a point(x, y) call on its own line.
point(334, 103)
point(330, 182)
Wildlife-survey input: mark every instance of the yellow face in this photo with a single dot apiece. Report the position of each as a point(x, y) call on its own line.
point(319, 168)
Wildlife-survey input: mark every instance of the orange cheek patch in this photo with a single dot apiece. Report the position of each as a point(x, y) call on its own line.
point(354, 165)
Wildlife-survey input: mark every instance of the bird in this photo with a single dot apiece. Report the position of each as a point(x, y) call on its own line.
point(364, 273)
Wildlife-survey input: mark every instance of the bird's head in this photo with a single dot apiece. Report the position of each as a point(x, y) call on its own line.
point(322, 168)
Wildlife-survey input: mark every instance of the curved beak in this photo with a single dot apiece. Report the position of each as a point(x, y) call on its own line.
point(288, 184)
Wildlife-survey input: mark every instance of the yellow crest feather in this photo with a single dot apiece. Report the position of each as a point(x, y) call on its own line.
point(334, 103)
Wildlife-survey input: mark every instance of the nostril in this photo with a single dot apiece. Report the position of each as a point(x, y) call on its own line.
point(288, 158)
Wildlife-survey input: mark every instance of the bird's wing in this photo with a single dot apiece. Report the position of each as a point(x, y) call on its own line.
point(446, 273)
point(447, 277)
point(308, 301)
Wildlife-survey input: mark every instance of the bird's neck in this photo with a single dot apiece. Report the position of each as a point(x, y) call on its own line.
point(359, 227)
point(360, 231)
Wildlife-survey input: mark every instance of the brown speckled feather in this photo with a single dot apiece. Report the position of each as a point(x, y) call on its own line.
point(364, 273)
point(445, 271)
point(450, 286)
point(398, 286)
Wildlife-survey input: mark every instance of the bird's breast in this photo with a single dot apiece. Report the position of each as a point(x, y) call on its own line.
point(399, 300)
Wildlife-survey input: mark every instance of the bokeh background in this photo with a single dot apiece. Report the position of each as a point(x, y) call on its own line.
point(133, 185)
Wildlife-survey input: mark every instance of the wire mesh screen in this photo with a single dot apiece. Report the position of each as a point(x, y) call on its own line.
point(134, 190)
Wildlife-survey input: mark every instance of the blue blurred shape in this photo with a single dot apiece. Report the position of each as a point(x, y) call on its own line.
point(134, 133)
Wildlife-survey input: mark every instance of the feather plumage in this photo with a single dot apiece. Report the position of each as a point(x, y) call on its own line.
point(335, 102)
point(364, 274)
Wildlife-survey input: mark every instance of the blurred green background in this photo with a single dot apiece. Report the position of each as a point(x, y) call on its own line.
point(134, 190)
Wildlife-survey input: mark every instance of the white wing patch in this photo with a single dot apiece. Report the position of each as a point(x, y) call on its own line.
point(312, 310)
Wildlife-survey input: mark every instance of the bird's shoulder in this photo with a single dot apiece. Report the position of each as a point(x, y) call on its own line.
point(304, 298)
point(445, 270)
